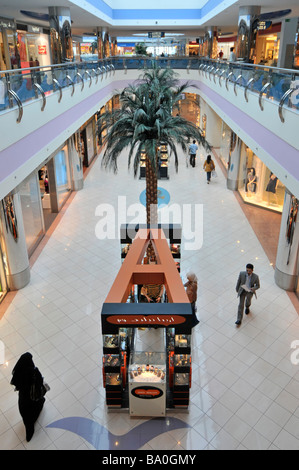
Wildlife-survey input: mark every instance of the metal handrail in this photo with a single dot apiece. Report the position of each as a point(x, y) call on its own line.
point(72, 83)
point(81, 78)
point(88, 74)
point(261, 94)
point(285, 96)
point(220, 76)
point(227, 79)
point(90, 69)
point(56, 83)
point(19, 103)
point(236, 81)
point(215, 74)
point(248, 84)
point(39, 88)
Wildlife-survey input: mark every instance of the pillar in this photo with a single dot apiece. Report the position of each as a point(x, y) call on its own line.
point(287, 251)
point(13, 242)
point(233, 179)
point(113, 46)
point(248, 16)
point(61, 35)
point(210, 42)
point(287, 40)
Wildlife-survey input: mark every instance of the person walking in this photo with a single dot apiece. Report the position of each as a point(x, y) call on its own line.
point(191, 291)
point(209, 166)
point(247, 285)
point(192, 152)
point(24, 375)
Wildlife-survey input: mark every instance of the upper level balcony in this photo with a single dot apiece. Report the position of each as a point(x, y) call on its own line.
point(41, 107)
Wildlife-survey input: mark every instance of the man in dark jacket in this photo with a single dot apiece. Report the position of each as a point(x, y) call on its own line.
point(248, 283)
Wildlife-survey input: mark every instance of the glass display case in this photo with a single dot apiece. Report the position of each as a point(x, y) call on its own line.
point(147, 367)
point(147, 381)
point(142, 166)
point(124, 250)
point(113, 379)
point(181, 380)
point(182, 360)
point(111, 361)
point(163, 162)
point(183, 342)
point(110, 342)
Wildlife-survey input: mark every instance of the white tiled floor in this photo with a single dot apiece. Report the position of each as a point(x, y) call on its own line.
point(245, 392)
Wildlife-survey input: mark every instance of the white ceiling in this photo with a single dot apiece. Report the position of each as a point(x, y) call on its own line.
point(84, 22)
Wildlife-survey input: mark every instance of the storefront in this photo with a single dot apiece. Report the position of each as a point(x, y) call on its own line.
point(9, 54)
point(88, 144)
point(33, 46)
point(31, 205)
point(260, 186)
point(267, 45)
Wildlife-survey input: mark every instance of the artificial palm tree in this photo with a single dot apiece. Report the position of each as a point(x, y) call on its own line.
point(144, 120)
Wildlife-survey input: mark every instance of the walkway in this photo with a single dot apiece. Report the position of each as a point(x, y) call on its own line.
point(245, 392)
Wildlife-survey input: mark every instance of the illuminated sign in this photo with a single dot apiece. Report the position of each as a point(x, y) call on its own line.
point(263, 25)
point(135, 320)
point(147, 393)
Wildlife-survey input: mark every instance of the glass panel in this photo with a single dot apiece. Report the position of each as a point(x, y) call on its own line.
point(31, 209)
point(62, 175)
point(182, 341)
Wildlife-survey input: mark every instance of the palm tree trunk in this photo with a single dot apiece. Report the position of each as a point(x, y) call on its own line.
point(151, 200)
point(151, 194)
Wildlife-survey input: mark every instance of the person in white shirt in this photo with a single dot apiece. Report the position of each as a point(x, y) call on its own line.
point(192, 152)
point(232, 55)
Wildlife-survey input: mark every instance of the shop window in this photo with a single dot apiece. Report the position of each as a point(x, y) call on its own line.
point(260, 187)
point(32, 211)
point(62, 174)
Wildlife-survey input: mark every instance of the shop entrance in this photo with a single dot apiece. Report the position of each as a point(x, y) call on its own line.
point(43, 177)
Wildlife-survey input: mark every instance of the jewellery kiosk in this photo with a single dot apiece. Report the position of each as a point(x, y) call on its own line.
point(147, 346)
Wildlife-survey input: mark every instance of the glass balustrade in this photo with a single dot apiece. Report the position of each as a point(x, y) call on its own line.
point(21, 86)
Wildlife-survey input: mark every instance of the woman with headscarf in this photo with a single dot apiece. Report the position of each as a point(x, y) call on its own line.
point(191, 291)
point(24, 375)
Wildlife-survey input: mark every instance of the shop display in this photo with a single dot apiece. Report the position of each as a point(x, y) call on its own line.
point(147, 381)
point(162, 163)
point(181, 379)
point(260, 186)
point(134, 371)
point(182, 341)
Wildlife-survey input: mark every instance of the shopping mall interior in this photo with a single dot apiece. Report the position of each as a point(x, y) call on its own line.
point(77, 250)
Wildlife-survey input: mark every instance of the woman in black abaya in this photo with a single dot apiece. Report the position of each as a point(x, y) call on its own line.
point(22, 379)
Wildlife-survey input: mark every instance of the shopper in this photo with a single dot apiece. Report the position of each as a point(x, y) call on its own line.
point(209, 166)
point(191, 290)
point(232, 55)
point(24, 375)
point(248, 283)
point(192, 152)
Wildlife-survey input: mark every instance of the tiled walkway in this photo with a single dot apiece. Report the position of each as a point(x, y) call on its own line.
point(245, 392)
